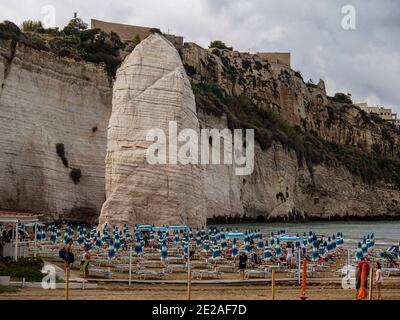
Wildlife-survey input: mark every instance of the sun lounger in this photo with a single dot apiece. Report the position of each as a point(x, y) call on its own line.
point(391, 271)
point(148, 274)
point(200, 264)
point(209, 274)
point(255, 273)
point(229, 268)
point(176, 268)
point(100, 272)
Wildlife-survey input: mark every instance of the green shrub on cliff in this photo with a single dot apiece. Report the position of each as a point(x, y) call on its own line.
point(218, 44)
point(341, 98)
point(75, 40)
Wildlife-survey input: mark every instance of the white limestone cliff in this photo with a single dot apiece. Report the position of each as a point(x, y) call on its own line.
point(46, 100)
point(151, 89)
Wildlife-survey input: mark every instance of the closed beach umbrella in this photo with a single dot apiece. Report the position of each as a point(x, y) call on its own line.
point(53, 237)
point(176, 238)
point(364, 247)
point(315, 255)
point(111, 251)
point(80, 239)
point(164, 252)
point(234, 249)
point(117, 244)
point(138, 247)
point(260, 243)
point(198, 238)
point(278, 251)
point(215, 251)
point(267, 255)
point(224, 244)
point(359, 253)
point(206, 245)
point(321, 250)
point(310, 238)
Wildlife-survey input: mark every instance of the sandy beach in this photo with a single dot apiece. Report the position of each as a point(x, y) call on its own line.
point(199, 292)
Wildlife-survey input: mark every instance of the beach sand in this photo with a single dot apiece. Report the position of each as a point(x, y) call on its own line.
point(199, 292)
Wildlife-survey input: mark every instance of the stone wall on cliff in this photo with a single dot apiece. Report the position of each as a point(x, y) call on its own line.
point(47, 101)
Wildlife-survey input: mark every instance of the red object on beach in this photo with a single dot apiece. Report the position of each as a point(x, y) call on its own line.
point(362, 292)
point(304, 281)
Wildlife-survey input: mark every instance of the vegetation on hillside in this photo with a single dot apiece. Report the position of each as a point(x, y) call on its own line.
point(218, 44)
point(341, 98)
point(75, 40)
point(270, 126)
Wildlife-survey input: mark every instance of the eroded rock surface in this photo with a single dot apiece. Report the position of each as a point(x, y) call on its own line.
point(151, 89)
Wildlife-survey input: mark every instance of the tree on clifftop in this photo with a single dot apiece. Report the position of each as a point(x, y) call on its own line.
point(218, 44)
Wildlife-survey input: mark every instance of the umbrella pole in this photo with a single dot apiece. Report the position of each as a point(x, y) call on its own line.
point(273, 284)
point(130, 266)
point(189, 275)
point(299, 266)
point(371, 272)
point(67, 283)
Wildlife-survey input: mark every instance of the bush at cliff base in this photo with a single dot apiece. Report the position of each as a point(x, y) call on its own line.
point(28, 268)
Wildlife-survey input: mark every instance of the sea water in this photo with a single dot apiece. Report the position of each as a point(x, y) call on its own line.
point(386, 233)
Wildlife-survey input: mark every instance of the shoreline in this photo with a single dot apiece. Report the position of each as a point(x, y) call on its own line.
point(335, 218)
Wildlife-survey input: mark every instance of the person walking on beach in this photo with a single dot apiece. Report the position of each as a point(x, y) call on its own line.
point(378, 280)
point(242, 264)
point(289, 255)
point(66, 254)
point(85, 262)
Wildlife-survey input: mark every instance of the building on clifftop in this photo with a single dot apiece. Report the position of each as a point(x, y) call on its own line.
point(128, 32)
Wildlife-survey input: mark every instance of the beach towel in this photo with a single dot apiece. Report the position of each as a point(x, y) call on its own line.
point(362, 292)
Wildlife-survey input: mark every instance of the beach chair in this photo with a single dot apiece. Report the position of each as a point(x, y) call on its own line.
point(176, 268)
point(106, 273)
point(228, 268)
point(149, 274)
point(256, 273)
point(206, 274)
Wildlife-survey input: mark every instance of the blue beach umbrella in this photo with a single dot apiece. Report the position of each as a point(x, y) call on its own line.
point(53, 237)
point(138, 247)
point(364, 247)
point(206, 245)
point(267, 255)
point(234, 249)
point(321, 250)
point(111, 251)
point(80, 239)
point(278, 251)
point(224, 244)
point(215, 251)
point(359, 253)
point(117, 243)
point(310, 238)
point(315, 255)
point(260, 243)
point(164, 252)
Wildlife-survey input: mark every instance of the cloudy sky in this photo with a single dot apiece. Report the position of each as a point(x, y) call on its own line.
point(364, 62)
